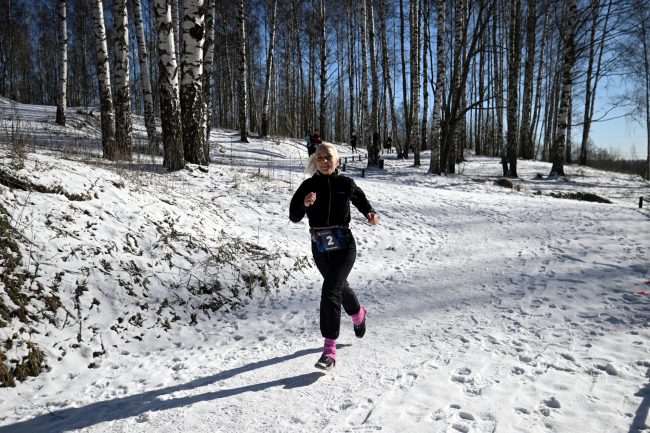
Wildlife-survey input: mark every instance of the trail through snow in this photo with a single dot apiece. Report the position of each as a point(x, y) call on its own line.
point(489, 310)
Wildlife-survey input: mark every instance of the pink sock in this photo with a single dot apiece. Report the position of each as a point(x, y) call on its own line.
point(329, 348)
point(357, 319)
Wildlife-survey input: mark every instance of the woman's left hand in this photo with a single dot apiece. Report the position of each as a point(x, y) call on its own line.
point(373, 218)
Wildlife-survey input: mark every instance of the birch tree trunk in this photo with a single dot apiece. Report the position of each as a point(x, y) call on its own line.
point(63, 63)
point(149, 119)
point(170, 107)
point(208, 60)
point(192, 109)
point(514, 63)
point(557, 151)
point(243, 75)
point(498, 87)
point(568, 158)
point(441, 74)
point(537, 109)
point(123, 122)
point(404, 151)
point(525, 137)
point(373, 151)
point(415, 81)
point(322, 109)
point(365, 116)
point(266, 103)
point(352, 13)
point(177, 30)
point(387, 73)
point(425, 75)
point(105, 96)
point(451, 137)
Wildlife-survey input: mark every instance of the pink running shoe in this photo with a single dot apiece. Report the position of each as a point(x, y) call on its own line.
point(328, 358)
point(359, 322)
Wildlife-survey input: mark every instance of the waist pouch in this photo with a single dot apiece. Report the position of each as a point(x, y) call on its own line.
point(329, 238)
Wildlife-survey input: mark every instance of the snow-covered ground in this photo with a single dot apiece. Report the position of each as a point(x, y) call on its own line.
point(489, 309)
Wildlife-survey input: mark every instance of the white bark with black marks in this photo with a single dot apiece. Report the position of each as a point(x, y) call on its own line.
point(63, 63)
point(557, 151)
point(243, 75)
point(322, 109)
point(441, 76)
point(386, 67)
point(514, 64)
point(192, 108)
point(103, 72)
point(123, 122)
point(208, 58)
point(414, 114)
point(373, 151)
point(170, 107)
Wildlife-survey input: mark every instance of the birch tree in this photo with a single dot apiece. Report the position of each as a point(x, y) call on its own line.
point(177, 29)
point(373, 150)
point(243, 74)
point(123, 123)
point(386, 68)
point(525, 136)
point(456, 108)
point(441, 74)
point(208, 61)
point(414, 114)
point(498, 90)
point(192, 114)
point(426, 9)
point(143, 55)
point(557, 151)
point(107, 116)
point(404, 151)
point(322, 110)
point(170, 107)
point(266, 103)
point(352, 14)
point(514, 63)
point(365, 115)
point(63, 63)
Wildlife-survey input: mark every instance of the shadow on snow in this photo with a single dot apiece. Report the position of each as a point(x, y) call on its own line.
point(80, 417)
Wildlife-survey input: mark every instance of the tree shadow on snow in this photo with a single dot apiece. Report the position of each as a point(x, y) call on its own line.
point(60, 421)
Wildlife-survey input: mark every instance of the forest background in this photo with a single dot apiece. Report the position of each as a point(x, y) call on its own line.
point(526, 79)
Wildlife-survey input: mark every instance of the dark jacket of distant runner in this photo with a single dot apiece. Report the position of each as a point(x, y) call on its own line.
point(333, 196)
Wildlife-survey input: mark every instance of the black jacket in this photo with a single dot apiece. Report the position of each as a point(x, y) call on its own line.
point(333, 196)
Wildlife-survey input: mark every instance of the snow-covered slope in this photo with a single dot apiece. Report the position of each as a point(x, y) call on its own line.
point(490, 309)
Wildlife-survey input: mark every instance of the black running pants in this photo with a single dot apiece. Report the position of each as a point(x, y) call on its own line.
point(335, 266)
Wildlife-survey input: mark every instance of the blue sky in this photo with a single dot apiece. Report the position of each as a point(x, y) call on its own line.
point(622, 135)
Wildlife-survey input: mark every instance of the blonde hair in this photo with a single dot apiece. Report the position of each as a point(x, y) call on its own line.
point(311, 168)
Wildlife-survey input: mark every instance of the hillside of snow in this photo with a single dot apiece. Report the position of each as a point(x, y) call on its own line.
point(187, 301)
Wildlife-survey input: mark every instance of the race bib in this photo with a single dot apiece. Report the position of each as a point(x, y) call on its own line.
point(329, 239)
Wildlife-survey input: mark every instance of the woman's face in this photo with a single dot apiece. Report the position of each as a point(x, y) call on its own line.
point(326, 162)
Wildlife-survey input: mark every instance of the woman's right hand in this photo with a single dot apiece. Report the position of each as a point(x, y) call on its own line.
point(310, 199)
